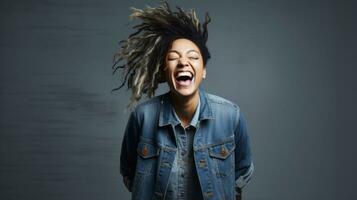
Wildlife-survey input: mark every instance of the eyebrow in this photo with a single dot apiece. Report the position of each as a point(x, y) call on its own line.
point(192, 50)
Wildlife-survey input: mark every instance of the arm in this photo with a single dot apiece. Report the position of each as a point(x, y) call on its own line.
point(128, 151)
point(243, 164)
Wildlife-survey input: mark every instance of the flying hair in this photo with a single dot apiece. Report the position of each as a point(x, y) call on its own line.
point(141, 57)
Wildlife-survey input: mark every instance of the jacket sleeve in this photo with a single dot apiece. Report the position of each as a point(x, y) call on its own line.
point(128, 153)
point(243, 159)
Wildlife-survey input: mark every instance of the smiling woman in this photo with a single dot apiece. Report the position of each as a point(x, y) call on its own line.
point(184, 68)
point(184, 72)
point(185, 144)
point(145, 50)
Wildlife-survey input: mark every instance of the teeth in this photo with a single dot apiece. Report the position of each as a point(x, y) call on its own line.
point(184, 74)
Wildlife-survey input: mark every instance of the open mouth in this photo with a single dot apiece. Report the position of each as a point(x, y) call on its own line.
point(184, 78)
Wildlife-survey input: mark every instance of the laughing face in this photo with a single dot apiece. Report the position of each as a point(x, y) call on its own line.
point(184, 69)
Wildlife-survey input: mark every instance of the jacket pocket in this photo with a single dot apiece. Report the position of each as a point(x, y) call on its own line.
point(147, 150)
point(222, 151)
point(147, 157)
point(222, 158)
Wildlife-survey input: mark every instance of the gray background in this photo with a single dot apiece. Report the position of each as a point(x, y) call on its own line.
point(288, 64)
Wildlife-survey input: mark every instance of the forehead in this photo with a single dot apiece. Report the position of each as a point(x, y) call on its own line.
point(184, 45)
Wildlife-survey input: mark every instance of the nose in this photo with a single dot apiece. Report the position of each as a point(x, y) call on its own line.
point(183, 62)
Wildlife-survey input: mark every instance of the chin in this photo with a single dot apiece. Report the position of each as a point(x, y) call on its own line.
point(185, 92)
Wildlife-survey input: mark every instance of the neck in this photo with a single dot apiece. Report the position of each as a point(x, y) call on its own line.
point(185, 107)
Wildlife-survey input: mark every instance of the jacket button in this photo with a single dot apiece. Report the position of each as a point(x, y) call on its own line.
point(223, 151)
point(202, 163)
point(145, 151)
point(208, 194)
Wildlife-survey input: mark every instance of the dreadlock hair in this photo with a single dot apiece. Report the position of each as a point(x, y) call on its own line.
point(144, 51)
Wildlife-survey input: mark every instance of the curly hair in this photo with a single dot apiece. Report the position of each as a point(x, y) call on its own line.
point(144, 51)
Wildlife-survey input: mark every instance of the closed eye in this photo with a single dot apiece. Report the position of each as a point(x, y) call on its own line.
point(172, 58)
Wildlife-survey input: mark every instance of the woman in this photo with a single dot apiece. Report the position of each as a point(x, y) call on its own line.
point(185, 144)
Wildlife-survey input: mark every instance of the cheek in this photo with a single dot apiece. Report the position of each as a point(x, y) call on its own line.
point(170, 66)
point(199, 67)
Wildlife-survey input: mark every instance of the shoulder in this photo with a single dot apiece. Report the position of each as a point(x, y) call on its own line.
point(220, 102)
point(149, 107)
point(224, 110)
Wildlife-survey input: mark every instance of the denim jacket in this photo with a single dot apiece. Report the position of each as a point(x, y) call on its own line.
point(221, 149)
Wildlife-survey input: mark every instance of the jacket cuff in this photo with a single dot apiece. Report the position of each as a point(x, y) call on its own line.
point(238, 191)
point(244, 179)
point(128, 183)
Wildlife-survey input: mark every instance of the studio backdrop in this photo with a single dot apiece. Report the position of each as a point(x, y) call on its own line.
point(61, 127)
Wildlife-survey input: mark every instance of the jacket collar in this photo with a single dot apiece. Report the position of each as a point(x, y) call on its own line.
point(166, 109)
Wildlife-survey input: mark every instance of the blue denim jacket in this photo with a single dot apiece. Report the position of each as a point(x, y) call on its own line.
point(221, 149)
point(183, 181)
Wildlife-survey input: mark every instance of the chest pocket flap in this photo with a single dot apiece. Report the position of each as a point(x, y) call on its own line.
point(222, 151)
point(147, 150)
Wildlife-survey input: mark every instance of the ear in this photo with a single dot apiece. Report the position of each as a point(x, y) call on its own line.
point(204, 73)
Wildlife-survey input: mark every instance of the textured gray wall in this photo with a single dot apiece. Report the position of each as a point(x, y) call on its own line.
point(61, 128)
point(346, 106)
